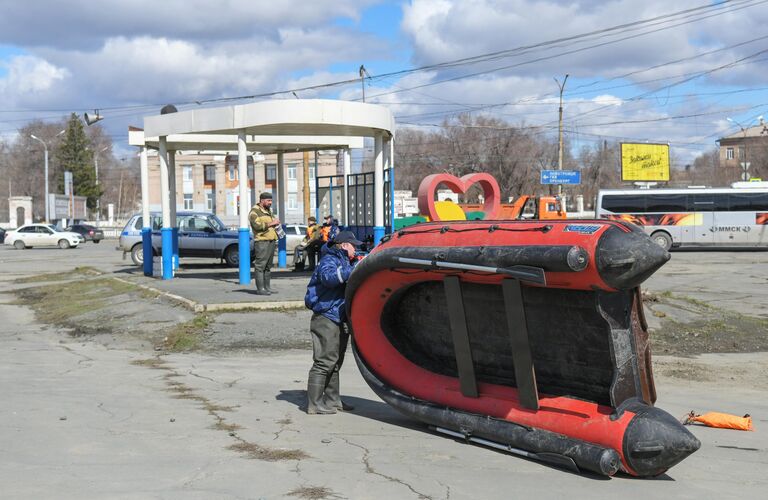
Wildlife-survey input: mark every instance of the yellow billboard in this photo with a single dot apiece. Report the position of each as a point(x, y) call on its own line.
point(644, 162)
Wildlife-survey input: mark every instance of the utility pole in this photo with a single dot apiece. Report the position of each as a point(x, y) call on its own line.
point(120, 195)
point(560, 131)
point(45, 147)
point(96, 167)
point(305, 181)
point(98, 197)
point(362, 79)
point(744, 130)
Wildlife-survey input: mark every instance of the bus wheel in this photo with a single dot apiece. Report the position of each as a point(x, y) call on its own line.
point(662, 239)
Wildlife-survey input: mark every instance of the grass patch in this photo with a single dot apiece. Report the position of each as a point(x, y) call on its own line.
point(729, 332)
point(707, 329)
point(222, 425)
point(256, 452)
point(188, 335)
point(695, 302)
point(312, 493)
point(77, 272)
point(59, 304)
point(214, 408)
point(156, 363)
point(685, 370)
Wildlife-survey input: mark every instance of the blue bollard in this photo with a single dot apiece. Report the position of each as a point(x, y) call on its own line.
point(167, 251)
point(244, 250)
point(146, 249)
point(175, 248)
point(281, 258)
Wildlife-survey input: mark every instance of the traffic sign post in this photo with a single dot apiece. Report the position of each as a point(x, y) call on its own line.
point(560, 177)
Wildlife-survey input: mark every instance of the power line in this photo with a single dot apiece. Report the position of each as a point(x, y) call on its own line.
point(553, 56)
point(718, 8)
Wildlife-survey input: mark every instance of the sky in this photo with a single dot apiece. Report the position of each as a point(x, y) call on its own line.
point(655, 71)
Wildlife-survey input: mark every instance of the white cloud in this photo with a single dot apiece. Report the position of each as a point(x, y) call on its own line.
point(443, 30)
point(28, 75)
point(84, 24)
point(84, 54)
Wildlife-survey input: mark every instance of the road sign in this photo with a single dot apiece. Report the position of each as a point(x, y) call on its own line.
point(561, 177)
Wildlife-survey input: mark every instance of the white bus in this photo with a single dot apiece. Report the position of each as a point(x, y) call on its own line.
point(692, 217)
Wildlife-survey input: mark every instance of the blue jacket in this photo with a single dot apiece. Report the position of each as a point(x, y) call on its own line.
point(325, 292)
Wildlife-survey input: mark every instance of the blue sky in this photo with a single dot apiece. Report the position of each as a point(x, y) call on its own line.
point(666, 78)
point(6, 52)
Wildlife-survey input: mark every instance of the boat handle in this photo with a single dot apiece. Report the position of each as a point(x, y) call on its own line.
point(529, 274)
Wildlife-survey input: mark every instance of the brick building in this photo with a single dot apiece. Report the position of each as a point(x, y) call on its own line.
point(749, 146)
point(209, 182)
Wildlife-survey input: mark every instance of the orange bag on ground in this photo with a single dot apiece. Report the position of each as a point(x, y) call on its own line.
point(720, 420)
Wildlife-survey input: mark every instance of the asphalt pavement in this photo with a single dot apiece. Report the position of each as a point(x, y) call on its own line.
point(83, 420)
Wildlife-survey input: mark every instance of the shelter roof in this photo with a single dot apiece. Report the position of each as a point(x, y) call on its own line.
point(283, 117)
point(265, 144)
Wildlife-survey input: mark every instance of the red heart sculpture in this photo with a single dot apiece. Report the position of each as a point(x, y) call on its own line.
point(491, 192)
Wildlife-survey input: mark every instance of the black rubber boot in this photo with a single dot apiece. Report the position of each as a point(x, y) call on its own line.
point(267, 280)
point(258, 277)
point(332, 397)
point(315, 403)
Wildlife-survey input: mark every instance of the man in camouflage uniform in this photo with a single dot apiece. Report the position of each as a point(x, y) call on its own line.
point(263, 223)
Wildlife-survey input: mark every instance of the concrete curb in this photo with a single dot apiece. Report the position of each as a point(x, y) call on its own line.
point(190, 304)
point(227, 306)
point(259, 306)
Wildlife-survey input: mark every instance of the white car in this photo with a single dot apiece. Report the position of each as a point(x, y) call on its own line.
point(294, 234)
point(38, 235)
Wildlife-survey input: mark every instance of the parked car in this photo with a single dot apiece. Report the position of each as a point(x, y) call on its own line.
point(201, 234)
point(90, 233)
point(294, 234)
point(38, 235)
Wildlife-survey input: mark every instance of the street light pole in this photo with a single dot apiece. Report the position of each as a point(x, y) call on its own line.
point(98, 197)
point(45, 148)
point(560, 131)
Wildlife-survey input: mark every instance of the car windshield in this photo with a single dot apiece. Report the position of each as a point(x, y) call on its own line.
point(51, 226)
point(216, 223)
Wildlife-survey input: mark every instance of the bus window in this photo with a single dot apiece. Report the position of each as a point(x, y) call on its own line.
point(624, 203)
point(748, 202)
point(708, 202)
point(666, 203)
point(529, 210)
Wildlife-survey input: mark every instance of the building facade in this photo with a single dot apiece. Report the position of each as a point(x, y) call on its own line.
point(210, 182)
point(745, 151)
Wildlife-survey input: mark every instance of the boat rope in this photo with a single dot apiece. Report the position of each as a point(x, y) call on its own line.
point(492, 228)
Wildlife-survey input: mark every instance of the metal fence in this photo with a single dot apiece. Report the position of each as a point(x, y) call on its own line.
point(359, 203)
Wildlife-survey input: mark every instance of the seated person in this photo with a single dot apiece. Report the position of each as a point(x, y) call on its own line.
point(309, 245)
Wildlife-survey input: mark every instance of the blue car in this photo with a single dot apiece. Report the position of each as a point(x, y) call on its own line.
point(201, 234)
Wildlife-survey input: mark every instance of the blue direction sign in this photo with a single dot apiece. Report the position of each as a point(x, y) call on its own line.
point(561, 177)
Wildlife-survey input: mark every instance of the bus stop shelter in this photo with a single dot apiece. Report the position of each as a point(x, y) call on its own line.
point(274, 126)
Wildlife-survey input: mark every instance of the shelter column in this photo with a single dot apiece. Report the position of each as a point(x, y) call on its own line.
point(167, 231)
point(172, 199)
point(280, 191)
point(244, 232)
point(347, 169)
point(146, 226)
point(391, 184)
point(378, 188)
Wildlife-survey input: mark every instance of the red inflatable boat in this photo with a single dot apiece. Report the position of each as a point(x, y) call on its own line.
point(528, 336)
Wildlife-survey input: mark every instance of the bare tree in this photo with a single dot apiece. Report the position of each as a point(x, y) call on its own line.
point(514, 155)
point(22, 162)
point(122, 184)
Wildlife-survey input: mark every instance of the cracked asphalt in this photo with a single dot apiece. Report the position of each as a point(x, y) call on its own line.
point(84, 419)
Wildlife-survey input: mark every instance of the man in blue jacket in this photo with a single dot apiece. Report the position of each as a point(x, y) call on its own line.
point(325, 297)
